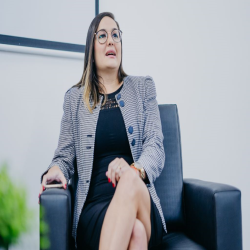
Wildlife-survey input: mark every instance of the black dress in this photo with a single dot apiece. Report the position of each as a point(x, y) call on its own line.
point(111, 141)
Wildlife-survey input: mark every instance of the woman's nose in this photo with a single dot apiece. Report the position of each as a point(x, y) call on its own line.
point(110, 39)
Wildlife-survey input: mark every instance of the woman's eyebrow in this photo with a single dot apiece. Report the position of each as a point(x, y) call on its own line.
point(111, 30)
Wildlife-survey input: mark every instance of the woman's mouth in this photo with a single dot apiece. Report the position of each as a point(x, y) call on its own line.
point(110, 54)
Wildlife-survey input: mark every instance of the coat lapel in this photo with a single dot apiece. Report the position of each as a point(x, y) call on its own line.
point(87, 129)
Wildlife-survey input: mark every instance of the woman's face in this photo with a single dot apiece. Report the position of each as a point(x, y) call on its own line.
point(102, 61)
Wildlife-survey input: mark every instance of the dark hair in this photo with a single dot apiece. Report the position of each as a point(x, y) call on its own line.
point(89, 77)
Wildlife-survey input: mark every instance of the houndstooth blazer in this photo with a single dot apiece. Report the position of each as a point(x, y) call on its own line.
point(139, 108)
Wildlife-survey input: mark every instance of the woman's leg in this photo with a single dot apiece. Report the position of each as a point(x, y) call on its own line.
point(131, 201)
point(138, 240)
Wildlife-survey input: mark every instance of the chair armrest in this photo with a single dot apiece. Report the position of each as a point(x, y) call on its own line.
point(213, 214)
point(56, 203)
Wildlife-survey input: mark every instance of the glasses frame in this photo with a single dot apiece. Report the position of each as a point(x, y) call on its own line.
point(108, 35)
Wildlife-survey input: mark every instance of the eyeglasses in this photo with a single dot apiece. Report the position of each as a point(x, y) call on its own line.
point(102, 35)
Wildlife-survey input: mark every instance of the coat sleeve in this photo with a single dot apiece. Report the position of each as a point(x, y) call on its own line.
point(64, 154)
point(152, 158)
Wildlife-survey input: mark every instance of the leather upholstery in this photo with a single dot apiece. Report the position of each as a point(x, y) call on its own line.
point(169, 185)
point(213, 214)
point(179, 241)
point(199, 214)
point(57, 213)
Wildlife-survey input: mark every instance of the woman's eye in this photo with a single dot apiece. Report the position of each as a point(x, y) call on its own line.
point(115, 35)
point(102, 36)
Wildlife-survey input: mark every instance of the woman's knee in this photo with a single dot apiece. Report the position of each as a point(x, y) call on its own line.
point(129, 175)
point(129, 183)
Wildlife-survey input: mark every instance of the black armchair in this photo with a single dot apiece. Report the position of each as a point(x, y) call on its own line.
point(199, 214)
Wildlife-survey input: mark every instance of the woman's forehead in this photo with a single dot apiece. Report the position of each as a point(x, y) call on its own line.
point(108, 24)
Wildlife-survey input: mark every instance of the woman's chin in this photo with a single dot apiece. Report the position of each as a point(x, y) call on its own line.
point(112, 66)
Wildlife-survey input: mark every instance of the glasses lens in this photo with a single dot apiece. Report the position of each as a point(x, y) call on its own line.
point(116, 34)
point(102, 36)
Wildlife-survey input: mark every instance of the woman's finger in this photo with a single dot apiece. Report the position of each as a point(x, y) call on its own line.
point(117, 169)
point(42, 188)
point(44, 182)
point(118, 172)
point(112, 167)
point(109, 171)
point(113, 177)
point(63, 181)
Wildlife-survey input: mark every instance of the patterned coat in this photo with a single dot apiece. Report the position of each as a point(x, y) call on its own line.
point(139, 108)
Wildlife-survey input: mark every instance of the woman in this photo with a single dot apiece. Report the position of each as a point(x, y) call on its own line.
point(111, 127)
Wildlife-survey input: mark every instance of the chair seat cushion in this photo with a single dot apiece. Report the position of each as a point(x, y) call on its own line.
point(179, 241)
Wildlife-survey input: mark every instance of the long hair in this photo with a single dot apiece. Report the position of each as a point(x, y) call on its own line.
point(89, 78)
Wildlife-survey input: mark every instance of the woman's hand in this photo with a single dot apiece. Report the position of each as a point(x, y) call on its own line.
point(54, 174)
point(116, 168)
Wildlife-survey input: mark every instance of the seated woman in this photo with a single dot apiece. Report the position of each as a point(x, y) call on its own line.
point(111, 128)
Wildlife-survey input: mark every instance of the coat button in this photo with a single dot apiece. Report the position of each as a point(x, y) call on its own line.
point(130, 129)
point(133, 142)
point(122, 103)
point(87, 181)
point(119, 96)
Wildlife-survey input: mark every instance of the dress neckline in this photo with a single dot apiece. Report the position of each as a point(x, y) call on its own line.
point(113, 93)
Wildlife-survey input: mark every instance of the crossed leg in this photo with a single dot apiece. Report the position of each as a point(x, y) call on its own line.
point(127, 222)
point(138, 238)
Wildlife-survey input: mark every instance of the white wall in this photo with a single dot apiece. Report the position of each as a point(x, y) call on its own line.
point(47, 20)
point(31, 98)
point(197, 53)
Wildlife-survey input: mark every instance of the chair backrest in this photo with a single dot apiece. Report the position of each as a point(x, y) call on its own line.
point(169, 185)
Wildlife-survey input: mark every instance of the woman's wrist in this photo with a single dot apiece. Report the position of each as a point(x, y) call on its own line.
point(136, 170)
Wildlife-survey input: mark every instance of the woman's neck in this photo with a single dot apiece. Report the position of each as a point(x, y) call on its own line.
point(111, 82)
